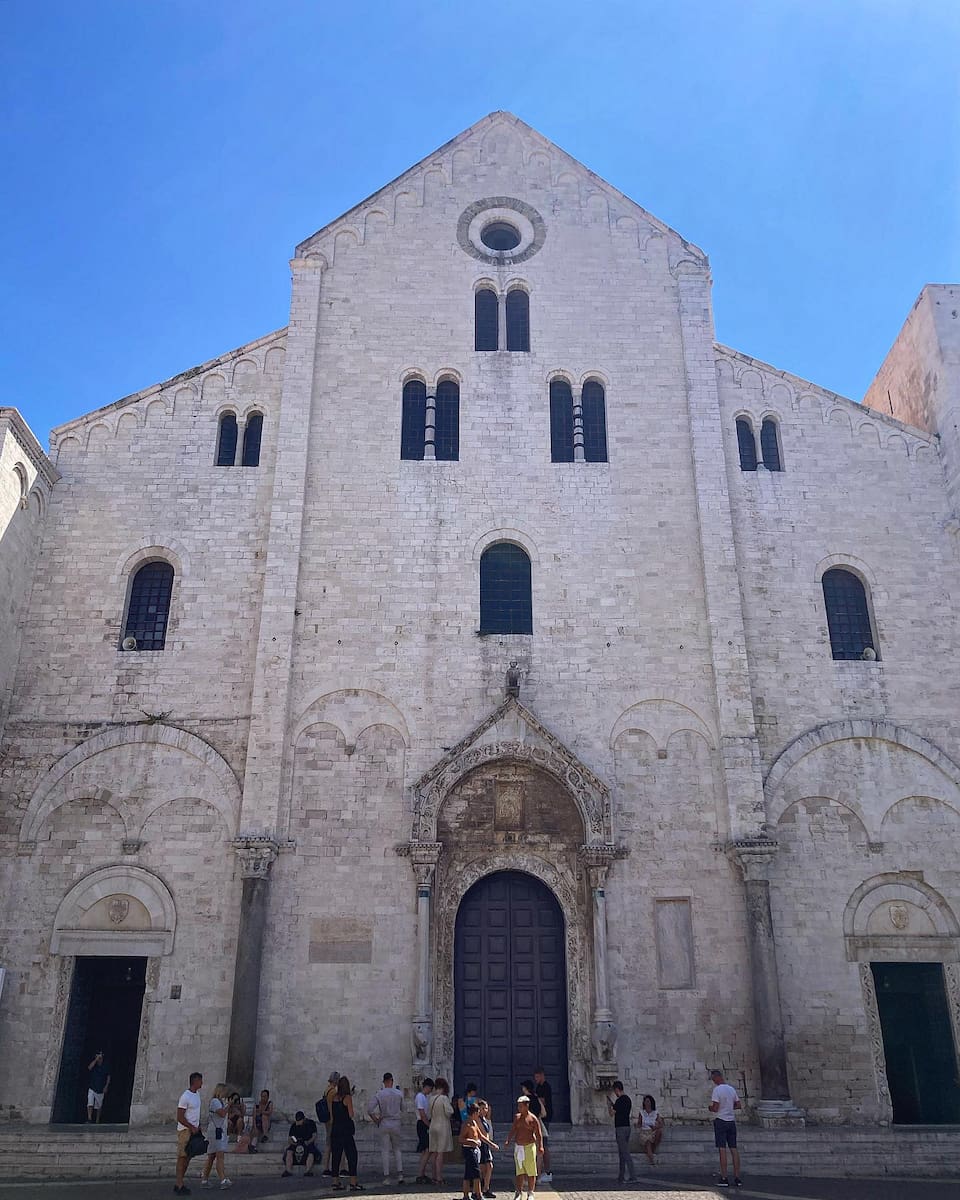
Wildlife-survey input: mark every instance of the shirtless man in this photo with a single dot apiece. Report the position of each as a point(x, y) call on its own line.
point(525, 1132)
point(472, 1134)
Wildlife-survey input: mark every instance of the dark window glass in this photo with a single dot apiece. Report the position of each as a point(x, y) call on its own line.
point(848, 617)
point(747, 445)
point(500, 235)
point(227, 441)
point(561, 421)
point(518, 320)
point(251, 440)
point(505, 603)
point(594, 422)
point(149, 605)
point(414, 419)
point(447, 444)
point(487, 317)
point(769, 446)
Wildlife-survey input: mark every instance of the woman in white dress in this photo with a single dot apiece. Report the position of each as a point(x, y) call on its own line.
point(217, 1137)
point(650, 1124)
point(441, 1134)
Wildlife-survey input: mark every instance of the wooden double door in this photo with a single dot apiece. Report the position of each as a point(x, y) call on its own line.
point(510, 992)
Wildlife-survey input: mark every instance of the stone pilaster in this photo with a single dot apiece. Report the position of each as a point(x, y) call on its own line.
point(596, 862)
point(775, 1108)
point(255, 856)
point(424, 857)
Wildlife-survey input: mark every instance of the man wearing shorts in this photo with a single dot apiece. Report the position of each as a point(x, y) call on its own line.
point(544, 1094)
point(97, 1085)
point(525, 1132)
point(724, 1103)
point(188, 1122)
point(422, 1105)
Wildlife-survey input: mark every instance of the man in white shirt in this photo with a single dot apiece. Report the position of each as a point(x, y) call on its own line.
point(385, 1109)
point(422, 1105)
point(724, 1103)
point(188, 1122)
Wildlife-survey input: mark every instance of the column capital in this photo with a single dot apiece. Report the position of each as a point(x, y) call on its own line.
point(256, 855)
point(753, 857)
point(424, 857)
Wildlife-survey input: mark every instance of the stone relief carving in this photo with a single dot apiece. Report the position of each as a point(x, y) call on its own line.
point(256, 855)
point(875, 1034)
point(57, 1023)
point(951, 979)
point(422, 1040)
point(143, 1042)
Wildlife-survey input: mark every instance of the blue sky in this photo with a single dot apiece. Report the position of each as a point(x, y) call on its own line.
point(162, 160)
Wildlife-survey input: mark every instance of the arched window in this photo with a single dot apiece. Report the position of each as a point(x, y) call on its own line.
point(149, 606)
point(848, 615)
point(23, 485)
point(414, 418)
point(505, 602)
point(594, 421)
point(487, 316)
point(518, 320)
point(770, 445)
point(747, 445)
point(227, 441)
point(251, 440)
point(561, 421)
point(447, 443)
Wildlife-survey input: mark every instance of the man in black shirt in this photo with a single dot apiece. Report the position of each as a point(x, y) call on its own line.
point(301, 1147)
point(98, 1083)
point(545, 1096)
point(620, 1107)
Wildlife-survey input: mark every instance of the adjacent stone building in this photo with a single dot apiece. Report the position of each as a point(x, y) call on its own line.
point(489, 669)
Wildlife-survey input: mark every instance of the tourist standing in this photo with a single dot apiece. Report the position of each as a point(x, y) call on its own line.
point(724, 1103)
point(620, 1107)
point(487, 1147)
point(526, 1133)
point(384, 1110)
point(217, 1137)
point(544, 1094)
point(330, 1094)
point(342, 1130)
point(98, 1084)
point(650, 1124)
point(188, 1122)
point(441, 1132)
point(472, 1137)
point(422, 1105)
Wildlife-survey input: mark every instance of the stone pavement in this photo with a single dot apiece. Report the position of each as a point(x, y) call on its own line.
point(668, 1187)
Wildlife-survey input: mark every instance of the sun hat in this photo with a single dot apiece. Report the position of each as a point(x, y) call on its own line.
point(523, 1100)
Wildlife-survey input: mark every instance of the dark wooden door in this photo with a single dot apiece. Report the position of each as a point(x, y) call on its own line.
point(917, 1043)
point(510, 992)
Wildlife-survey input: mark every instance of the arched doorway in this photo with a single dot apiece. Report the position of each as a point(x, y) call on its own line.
point(510, 991)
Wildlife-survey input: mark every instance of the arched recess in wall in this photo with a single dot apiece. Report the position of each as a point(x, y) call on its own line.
point(895, 916)
point(59, 785)
point(120, 910)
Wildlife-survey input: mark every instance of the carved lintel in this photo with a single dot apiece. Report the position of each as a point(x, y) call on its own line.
point(256, 855)
point(753, 856)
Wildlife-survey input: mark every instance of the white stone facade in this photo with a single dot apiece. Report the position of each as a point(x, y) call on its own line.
point(322, 667)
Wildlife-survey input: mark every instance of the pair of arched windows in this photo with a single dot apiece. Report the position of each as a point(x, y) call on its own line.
point(848, 615)
point(515, 331)
point(228, 435)
point(430, 424)
point(148, 607)
point(769, 444)
point(578, 431)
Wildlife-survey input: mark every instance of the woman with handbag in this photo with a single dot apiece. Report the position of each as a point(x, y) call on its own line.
point(217, 1137)
point(441, 1133)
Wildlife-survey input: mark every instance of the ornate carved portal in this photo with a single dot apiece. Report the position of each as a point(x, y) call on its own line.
point(511, 797)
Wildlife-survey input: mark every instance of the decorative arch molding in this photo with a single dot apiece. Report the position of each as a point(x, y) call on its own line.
point(524, 739)
point(154, 546)
point(45, 800)
point(523, 540)
point(897, 888)
point(661, 719)
point(120, 884)
point(850, 563)
point(838, 731)
point(351, 710)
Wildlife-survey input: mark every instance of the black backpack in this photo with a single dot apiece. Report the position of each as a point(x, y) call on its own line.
point(323, 1110)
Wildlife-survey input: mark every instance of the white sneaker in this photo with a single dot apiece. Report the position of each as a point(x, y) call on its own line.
point(225, 1183)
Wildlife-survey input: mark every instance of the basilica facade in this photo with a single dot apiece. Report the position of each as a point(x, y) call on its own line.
point(489, 670)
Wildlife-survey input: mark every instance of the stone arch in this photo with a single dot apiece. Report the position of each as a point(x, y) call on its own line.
point(838, 731)
point(47, 795)
point(896, 915)
point(196, 802)
point(661, 719)
point(74, 932)
point(350, 710)
point(523, 540)
point(808, 803)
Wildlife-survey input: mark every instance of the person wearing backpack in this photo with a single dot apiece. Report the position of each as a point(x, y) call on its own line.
point(324, 1107)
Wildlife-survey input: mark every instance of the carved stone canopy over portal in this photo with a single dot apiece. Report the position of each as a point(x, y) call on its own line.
point(512, 733)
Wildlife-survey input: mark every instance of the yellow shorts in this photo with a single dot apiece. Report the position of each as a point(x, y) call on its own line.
point(526, 1160)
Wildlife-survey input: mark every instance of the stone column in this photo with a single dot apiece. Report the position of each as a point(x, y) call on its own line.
point(596, 860)
point(775, 1107)
point(430, 428)
point(256, 856)
point(424, 859)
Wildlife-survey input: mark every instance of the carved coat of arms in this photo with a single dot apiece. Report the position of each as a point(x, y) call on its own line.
point(117, 909)
point(899, 916)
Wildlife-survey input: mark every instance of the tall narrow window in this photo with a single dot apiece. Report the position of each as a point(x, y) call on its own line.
point(227, 441)
point(252, 436)
point(848, 615)
point(747, 445)
point(518, 320)
point(561, 421)
point(149, 606)
point(594, 421)
point(505, 601)
point(414, 418)
point(486, 313)
point(447, 444)
point(770, 445)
